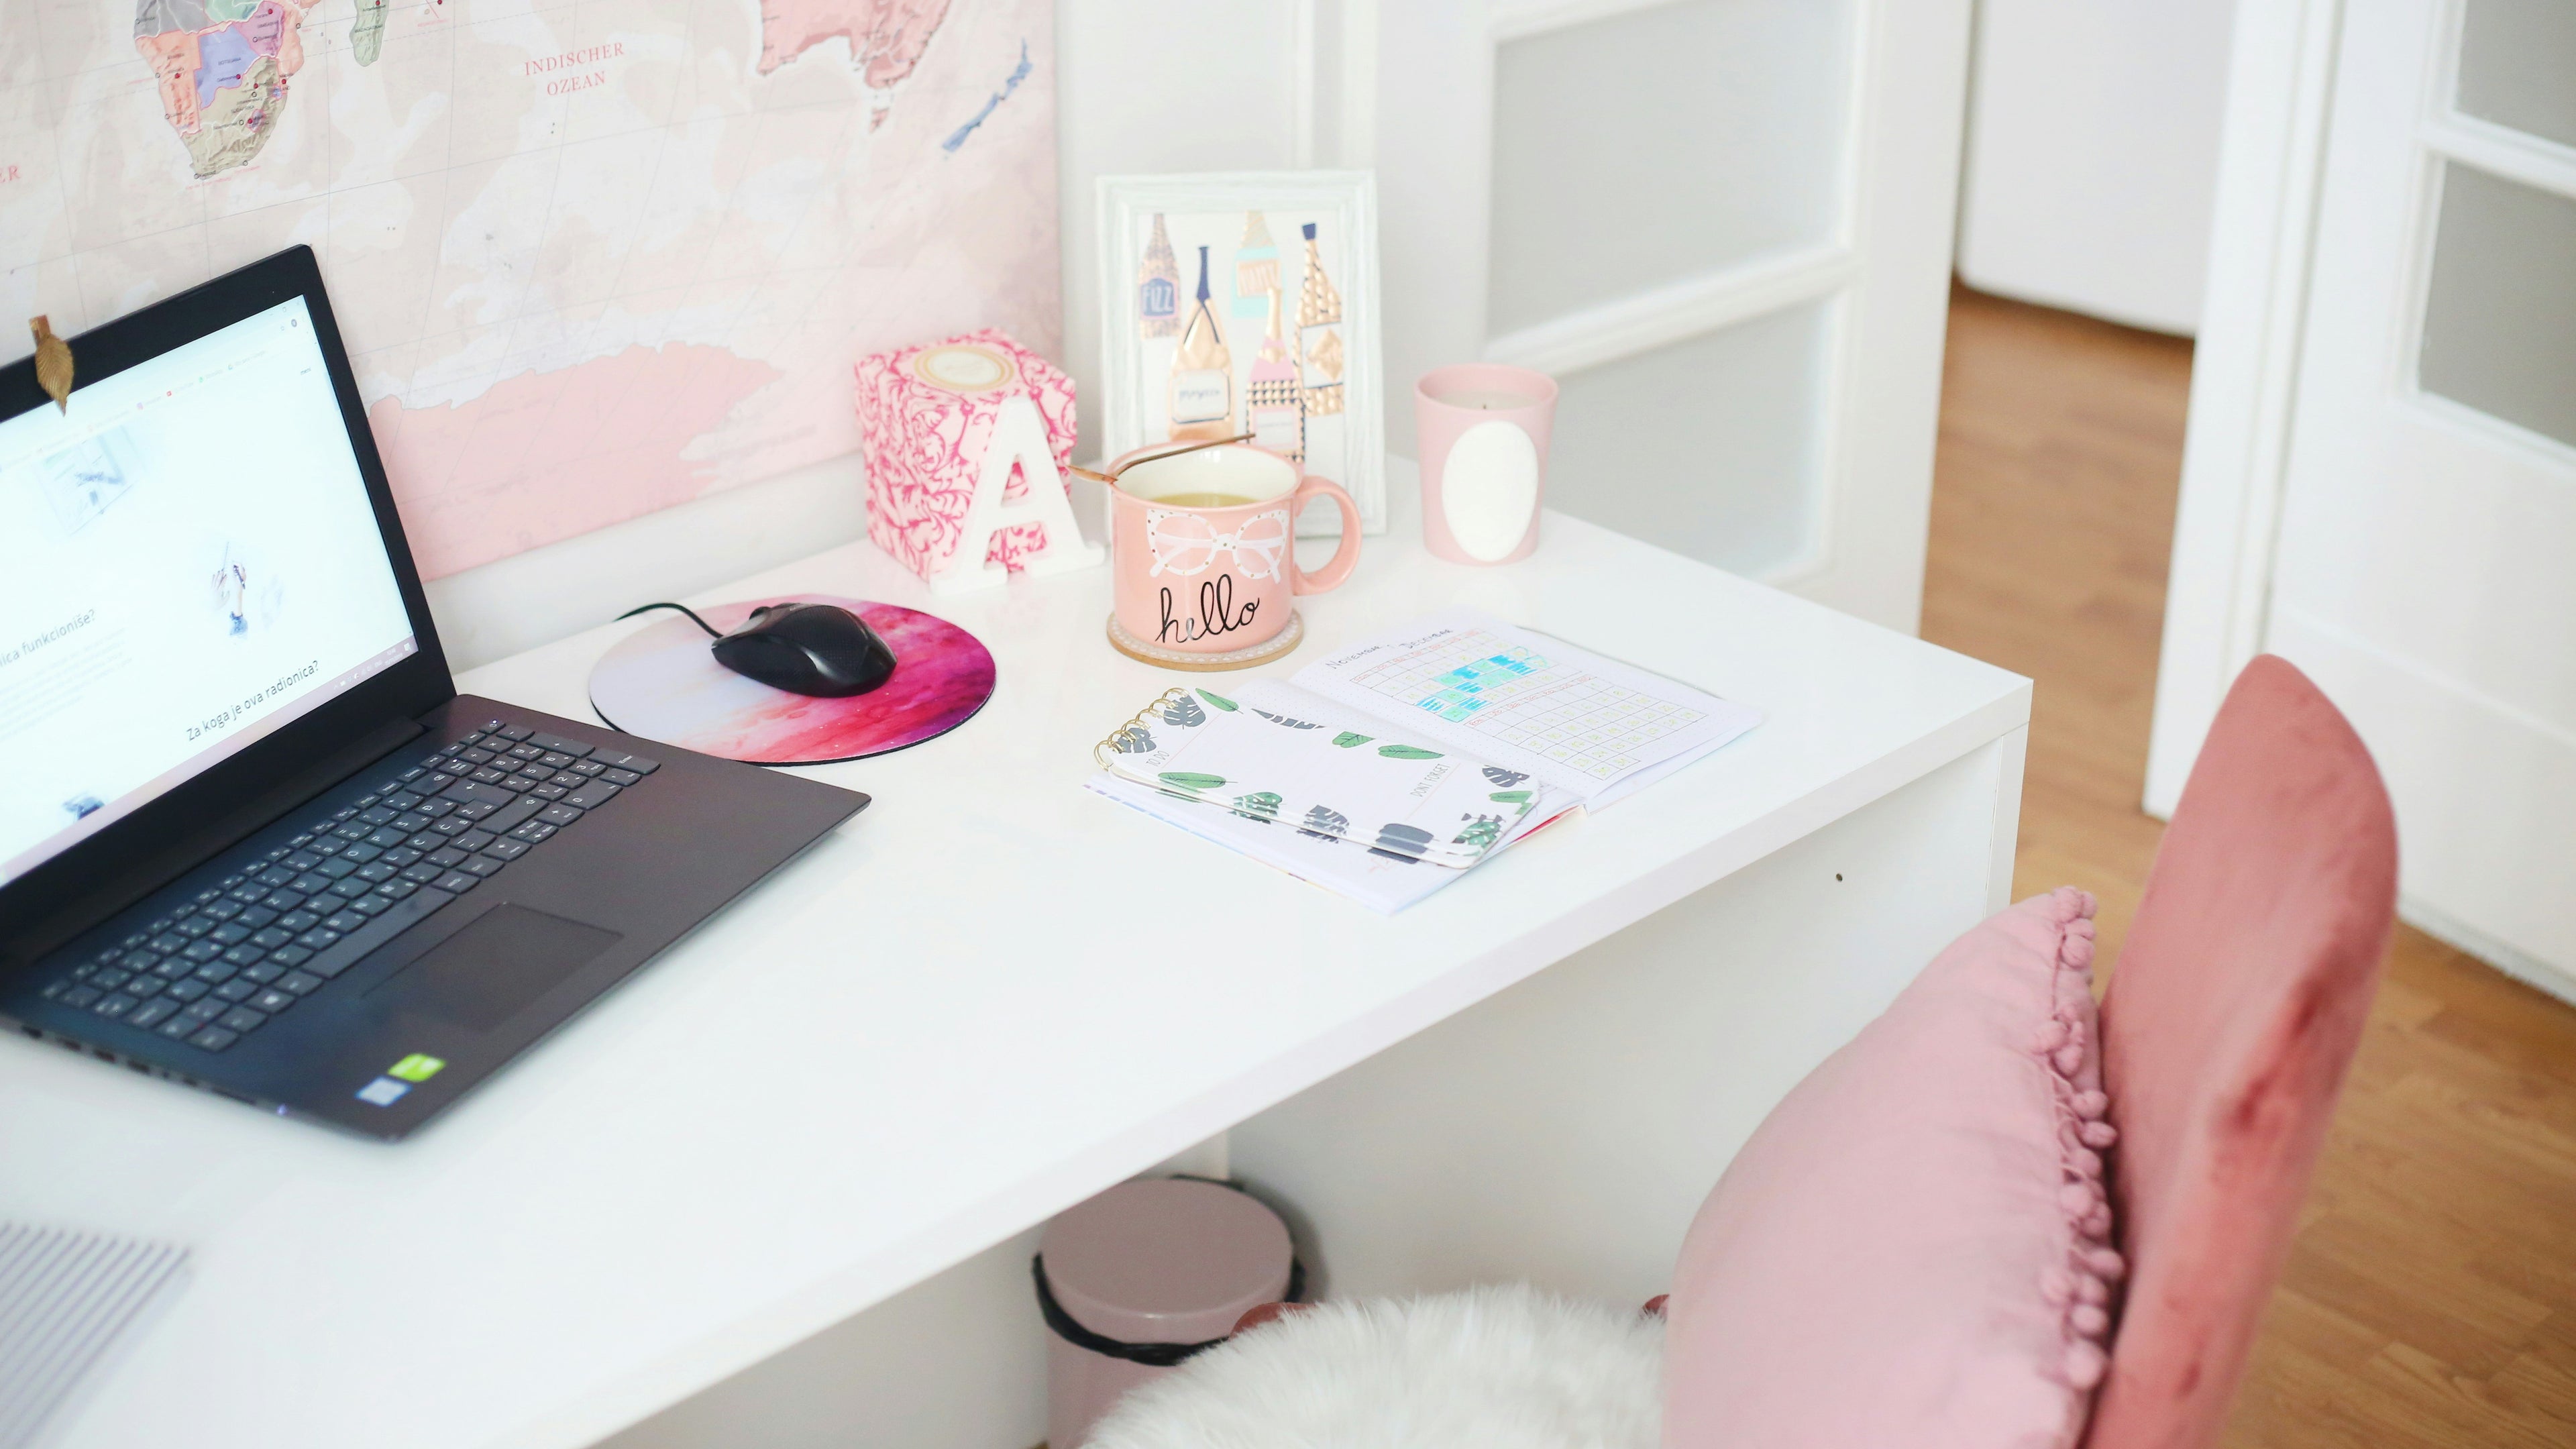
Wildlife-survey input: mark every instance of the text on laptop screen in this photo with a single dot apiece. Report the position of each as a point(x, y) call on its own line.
point(188, 561)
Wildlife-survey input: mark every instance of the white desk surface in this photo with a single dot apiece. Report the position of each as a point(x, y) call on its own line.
point(987, 997)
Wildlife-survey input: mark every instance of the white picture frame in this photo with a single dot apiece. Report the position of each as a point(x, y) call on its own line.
point(1214, 210)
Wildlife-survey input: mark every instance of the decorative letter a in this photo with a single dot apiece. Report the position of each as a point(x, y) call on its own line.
point(1019, 436)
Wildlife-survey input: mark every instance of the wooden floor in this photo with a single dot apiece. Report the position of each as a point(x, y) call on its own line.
point(2431, 1297)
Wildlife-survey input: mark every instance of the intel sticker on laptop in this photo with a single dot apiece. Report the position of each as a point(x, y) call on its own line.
point(383, 1091)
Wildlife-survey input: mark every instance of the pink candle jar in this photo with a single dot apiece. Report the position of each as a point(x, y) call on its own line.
point(1482, 430)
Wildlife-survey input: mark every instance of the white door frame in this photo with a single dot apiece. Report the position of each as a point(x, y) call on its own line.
point(2245, 372)
point(2245, 380)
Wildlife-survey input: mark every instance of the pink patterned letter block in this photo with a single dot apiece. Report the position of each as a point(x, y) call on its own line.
point(926, 416)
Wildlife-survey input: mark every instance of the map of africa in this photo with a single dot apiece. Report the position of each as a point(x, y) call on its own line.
point(591, 258)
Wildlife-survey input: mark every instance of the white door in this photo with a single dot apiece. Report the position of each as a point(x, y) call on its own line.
point(2424, 565)
point(1723, 225)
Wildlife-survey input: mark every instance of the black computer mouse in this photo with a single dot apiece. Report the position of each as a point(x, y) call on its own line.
point(816, 649)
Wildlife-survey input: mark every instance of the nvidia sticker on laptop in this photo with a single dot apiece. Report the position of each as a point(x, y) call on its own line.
point(384, 1091)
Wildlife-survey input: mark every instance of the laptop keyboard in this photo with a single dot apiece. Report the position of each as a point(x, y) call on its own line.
point(237, 954)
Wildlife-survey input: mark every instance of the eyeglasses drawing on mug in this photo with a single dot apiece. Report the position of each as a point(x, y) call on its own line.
point(1187, 543)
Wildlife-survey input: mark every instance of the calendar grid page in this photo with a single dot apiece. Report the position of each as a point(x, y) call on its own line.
point(1572, 718)
point(1515, 694)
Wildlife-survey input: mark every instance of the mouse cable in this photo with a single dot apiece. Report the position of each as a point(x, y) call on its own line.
point(712, 631)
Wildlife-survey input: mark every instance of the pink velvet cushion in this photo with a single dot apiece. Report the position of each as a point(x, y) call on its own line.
point(2239, 1000)
point(1912, 1251)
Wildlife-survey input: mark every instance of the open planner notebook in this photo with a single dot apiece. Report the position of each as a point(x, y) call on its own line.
point(1386, 769)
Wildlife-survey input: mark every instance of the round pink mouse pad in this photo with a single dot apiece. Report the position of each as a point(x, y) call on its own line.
point(662, 683)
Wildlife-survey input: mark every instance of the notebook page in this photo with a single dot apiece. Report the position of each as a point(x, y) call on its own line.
point(1566, 716)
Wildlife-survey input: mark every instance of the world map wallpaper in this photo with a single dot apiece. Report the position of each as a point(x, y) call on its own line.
point(590, 259)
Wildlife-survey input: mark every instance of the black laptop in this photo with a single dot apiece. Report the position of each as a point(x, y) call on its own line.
point(251, 838)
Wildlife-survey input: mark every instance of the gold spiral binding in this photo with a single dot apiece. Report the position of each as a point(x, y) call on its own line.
point(1117, 740)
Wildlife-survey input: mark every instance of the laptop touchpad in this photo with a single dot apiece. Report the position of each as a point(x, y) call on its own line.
point(481, 976)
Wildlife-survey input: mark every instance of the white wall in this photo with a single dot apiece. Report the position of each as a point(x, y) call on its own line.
point(2093, 155)
point(1398, 86)
point(955, 1362)
point(1122, 106)
point(1126, 107)
point(958, 1361)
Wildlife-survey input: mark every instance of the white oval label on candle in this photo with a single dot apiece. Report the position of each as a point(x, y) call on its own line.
point(1489, 489)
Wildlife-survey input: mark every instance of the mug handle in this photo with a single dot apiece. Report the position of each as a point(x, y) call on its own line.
point(1346, 557)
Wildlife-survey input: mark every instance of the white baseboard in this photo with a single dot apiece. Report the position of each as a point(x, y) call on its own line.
point(2518, 964)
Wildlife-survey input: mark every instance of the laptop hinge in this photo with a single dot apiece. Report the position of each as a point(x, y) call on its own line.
point(185, 850)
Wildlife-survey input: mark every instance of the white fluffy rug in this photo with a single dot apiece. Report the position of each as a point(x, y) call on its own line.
point(1490, 1368)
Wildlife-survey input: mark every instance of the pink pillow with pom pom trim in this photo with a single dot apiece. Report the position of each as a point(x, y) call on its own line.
point(1912, 1252)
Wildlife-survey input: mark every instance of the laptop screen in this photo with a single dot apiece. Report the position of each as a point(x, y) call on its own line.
point(188, 561)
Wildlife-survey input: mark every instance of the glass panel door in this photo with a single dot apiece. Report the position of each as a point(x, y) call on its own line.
point(1669, 232)
point(2500, 310)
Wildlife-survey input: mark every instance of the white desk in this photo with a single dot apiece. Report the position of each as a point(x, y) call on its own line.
point(995, 993)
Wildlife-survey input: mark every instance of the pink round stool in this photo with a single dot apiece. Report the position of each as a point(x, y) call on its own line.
point(1139, 1278)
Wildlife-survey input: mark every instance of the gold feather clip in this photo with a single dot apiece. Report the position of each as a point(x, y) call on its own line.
point(53, 363)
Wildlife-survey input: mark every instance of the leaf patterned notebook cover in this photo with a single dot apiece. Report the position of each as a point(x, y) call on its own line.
point(1266, 752)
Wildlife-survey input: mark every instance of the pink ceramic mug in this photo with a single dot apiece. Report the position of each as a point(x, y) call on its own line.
point(1202, 546)
point(1481, 432)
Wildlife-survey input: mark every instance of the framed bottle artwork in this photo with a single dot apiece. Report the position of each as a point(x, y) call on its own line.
point(1247, 303)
